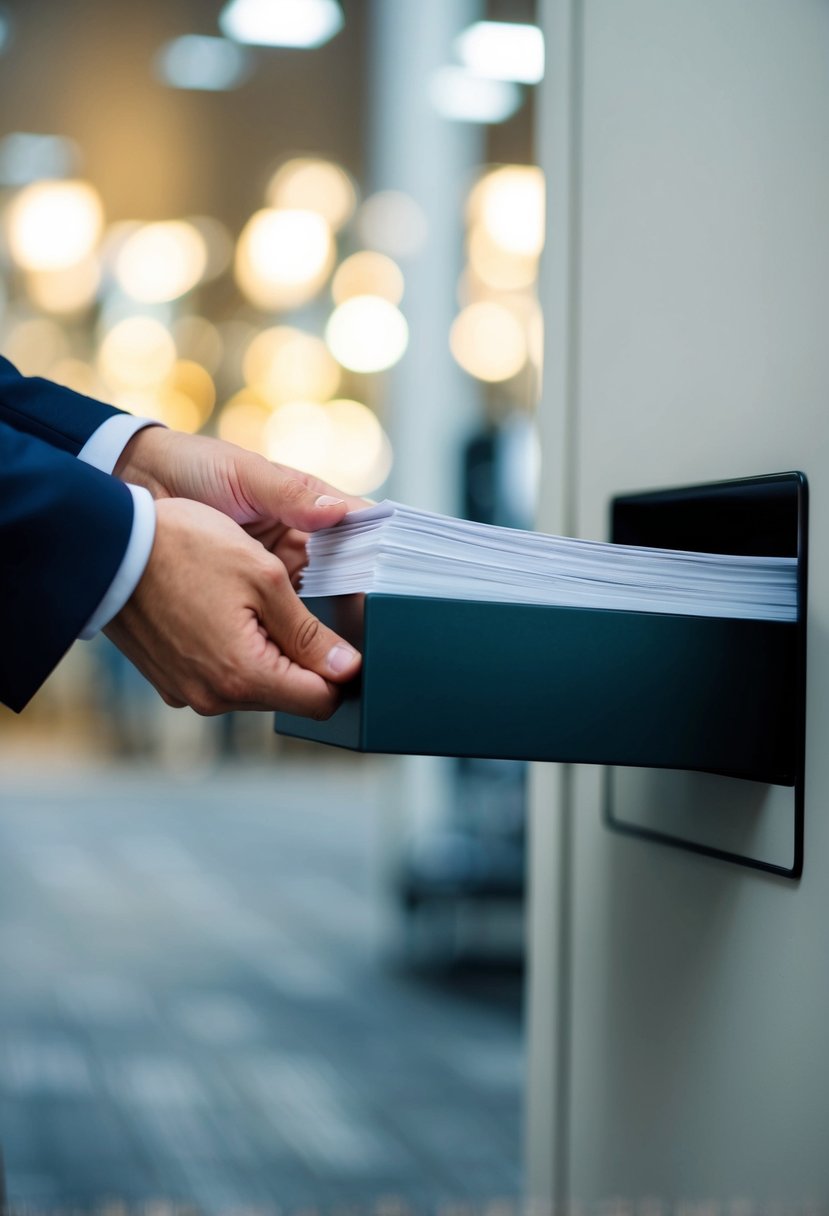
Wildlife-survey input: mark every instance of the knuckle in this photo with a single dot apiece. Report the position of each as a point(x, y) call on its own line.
point(275, 573)
point(293, 491)
point(204, 702)
point(232, 688)
point(306, 634)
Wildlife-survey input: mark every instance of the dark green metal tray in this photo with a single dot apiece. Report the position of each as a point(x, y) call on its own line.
point(517, 681)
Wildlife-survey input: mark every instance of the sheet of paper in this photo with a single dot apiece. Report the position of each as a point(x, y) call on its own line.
point(399, 550)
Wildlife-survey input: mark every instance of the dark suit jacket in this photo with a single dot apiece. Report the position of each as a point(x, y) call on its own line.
point(64, 528)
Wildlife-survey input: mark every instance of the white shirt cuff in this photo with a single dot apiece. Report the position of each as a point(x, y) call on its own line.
point(133, 563)
point(105, 445)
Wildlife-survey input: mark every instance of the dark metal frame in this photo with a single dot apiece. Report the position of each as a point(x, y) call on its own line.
point(766, 515)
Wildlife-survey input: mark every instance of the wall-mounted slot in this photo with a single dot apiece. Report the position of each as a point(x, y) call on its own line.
point(516, 681)
point(751, 823)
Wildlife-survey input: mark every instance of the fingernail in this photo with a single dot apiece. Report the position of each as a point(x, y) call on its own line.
point(328, 500)
point(340, 658)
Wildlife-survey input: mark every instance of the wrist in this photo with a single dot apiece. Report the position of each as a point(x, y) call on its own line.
point(145, 458)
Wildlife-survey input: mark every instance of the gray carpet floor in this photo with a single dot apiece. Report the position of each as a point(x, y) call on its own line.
point(202, 1002)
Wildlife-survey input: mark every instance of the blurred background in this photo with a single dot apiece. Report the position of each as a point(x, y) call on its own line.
point(236, 970)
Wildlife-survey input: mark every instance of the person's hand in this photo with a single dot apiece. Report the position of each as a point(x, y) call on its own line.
point(276, 505)
point(215, 624)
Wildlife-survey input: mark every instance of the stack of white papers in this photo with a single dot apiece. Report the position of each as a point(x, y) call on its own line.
point(400, 551)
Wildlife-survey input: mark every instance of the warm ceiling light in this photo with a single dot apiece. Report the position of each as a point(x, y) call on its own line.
point(295, 23)
point(243, 421)
point(53, 225)
point(65, 291)
point(535, 338)
point(367, 334)
point(299, 434)
point(360, 458)
point(35, 344)
point(368, 274)
point(138, 353)
point(496, 267)
point(283, 257)
point(342, 442)
point(161, 262)
point(176, 410)
point(190, 380)
point(307, 184)
point(460, 95)
point(488, 341)
point(195, 61)
point(509, 203)
point(285, 364)
point(503, 50)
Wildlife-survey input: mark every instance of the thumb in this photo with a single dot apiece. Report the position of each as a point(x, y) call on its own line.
point(296, 499)
point(302, 637)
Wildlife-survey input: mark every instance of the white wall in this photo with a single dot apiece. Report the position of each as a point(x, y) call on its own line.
point(687, 1039)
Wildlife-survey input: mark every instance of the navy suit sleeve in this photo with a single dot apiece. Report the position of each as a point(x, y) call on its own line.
point(61, 417)
point(64, 529)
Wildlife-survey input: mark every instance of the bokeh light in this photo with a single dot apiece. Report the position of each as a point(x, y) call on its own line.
point(294, 23)
point(177, 410)
point(138, 352)
point(299, 434)
point(161, 262)
point(162, 403)
point(488, 341)
point(189, 379)
point(367, 334)
point(306, 184)
point(76, 374)
point(65, 291)
point(342, 442)
point(198, 61)
point(359, 459)
point(35, 344)
point(509, 204)
point(285, 364)
point(54, 224)
point(503, 50)
point(497, 267)
point(535, 339)
point(284, 257)
point(463, 96)
point(368, 273)
point(243, 421)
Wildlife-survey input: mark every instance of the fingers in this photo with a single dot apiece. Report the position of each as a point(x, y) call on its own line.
point(243, 639)
point(258, 676)
point(292, 552)
point(298, 634)
point(284, 685)
point(297, 499)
